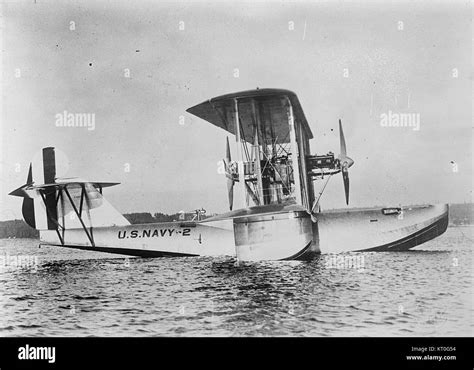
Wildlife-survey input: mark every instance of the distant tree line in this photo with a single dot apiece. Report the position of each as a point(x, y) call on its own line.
point(148, 218)
point(17, 229)
point(461, 214)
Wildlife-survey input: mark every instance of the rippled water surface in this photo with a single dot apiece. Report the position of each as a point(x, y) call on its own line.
point(52, 291)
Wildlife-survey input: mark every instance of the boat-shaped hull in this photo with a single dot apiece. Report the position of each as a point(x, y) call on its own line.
point(286, 233)
point(376, 230)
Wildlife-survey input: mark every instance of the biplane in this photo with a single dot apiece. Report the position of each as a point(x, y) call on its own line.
point(273, 183)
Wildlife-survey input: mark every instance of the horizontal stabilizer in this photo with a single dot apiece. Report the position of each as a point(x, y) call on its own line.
point(30, 190)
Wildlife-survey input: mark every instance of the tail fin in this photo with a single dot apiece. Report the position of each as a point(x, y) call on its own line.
point(49, 171)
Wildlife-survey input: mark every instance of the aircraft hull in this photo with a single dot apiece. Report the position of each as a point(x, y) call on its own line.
point(371, 230)
point(153, 240)
point(277, 236)
point(281, 235)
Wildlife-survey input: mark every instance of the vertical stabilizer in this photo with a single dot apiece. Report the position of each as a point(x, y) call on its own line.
point(49, 171)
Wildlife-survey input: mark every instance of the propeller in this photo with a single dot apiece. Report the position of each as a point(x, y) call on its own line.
point(345, 162)
point(228, 173)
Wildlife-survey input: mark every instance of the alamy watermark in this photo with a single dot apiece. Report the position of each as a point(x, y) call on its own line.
point(345, 262)
point(18, 261)
point(394, 119)
point(37, 353)
point(67, 119)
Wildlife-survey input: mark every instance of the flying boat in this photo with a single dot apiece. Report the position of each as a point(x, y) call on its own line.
point(273, 181)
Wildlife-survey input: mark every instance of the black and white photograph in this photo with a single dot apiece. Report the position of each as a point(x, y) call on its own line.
point(236, 169)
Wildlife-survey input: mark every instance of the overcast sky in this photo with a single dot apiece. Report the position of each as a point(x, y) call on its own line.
point(139, 65)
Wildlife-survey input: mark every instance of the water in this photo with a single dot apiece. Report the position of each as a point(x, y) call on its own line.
point(52, 291)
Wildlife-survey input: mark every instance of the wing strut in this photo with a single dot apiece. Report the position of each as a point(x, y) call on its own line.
point(256, 146)
point(239, 152)
point(294, 153)
point(78, 214)
point(316, 201)
point(51, 221)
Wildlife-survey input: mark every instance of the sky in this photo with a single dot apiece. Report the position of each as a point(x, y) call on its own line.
point(137, 66)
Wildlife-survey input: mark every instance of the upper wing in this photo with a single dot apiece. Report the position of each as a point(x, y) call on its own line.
point(271, 105)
